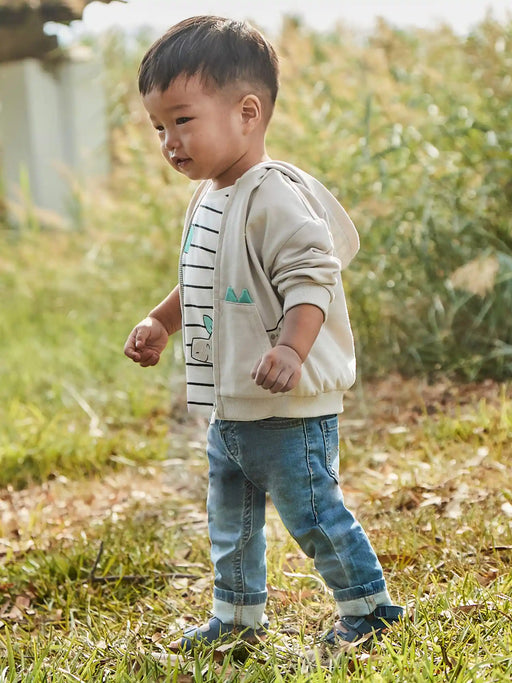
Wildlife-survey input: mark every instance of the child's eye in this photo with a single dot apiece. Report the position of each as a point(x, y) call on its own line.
point(182, 119)
point(159, 129)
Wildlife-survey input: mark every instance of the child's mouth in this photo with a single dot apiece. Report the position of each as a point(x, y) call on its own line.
point(180, 161)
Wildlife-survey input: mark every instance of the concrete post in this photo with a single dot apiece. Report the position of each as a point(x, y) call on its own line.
point(52, 122)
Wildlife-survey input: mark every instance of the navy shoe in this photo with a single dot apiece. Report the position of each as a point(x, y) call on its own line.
point(359, 629)
point(215, 631)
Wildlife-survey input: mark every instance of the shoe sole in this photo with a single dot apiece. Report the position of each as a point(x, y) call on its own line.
point(228, 639)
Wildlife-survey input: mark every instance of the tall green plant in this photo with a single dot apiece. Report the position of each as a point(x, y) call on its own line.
point(410, 129)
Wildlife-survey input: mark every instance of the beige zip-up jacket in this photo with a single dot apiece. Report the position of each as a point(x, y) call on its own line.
point(284, 240)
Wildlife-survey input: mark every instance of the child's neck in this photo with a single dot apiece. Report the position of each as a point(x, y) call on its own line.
point(229, 179)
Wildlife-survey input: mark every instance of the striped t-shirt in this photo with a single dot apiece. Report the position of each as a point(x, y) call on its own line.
point(198, 262)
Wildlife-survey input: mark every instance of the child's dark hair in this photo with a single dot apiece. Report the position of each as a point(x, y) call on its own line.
point(220, 50)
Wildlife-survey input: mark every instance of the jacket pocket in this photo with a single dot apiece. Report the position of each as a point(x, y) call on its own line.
point(242, 340)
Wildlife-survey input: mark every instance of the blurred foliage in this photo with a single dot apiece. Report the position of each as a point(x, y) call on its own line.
point(411, 130)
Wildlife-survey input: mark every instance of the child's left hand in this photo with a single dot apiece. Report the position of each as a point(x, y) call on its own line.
point(278, 370)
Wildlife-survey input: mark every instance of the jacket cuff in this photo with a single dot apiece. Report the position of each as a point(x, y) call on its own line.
point(317, 295)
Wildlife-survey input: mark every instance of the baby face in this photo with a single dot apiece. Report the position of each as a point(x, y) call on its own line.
point(203, 130)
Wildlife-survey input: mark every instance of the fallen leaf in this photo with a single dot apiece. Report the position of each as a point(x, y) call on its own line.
point(471, 607)
point(431, 499)
point(14, 614)
point(478, 276)
point(496, 549)
point(488, 577)
point(398, 429)
point(507, 509)
point(22, 601)
point(401, 559)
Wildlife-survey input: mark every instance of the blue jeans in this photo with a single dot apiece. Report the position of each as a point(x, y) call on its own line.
point(296, 461)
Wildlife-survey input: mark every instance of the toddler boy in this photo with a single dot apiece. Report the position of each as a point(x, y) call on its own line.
point(268, 345)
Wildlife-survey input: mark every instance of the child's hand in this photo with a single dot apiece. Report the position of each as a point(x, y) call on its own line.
point(278, 370)
point(146, 342)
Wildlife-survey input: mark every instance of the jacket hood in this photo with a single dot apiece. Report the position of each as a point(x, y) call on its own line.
point(344, 233)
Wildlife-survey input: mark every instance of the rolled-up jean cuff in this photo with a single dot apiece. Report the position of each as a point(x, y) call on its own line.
point(360, 607)
point(361, 591)
point(252, 616)
point(240, 598)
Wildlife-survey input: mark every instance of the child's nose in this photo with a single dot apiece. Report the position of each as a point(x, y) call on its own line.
point(170, 142)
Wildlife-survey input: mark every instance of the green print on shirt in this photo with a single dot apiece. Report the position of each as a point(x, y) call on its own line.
point(188, 241)
point(244, 298)
point(208, 323)
point(201, 347)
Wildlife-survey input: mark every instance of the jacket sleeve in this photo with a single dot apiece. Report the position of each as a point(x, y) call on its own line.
point(304, 269)
point(295, 245)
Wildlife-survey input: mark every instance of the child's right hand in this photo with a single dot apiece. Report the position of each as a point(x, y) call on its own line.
point(146, 342)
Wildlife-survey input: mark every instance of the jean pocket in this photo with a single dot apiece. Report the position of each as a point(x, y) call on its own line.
point(329, 427)
point(279, 423)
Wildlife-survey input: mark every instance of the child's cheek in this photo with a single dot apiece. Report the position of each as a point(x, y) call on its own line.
point(165, 153)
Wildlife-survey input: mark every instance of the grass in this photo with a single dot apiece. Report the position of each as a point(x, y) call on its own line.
point(103, 534)
point(68, 397)
point(410, 129)
point(428, 478)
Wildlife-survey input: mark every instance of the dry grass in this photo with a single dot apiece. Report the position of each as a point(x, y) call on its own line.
point(103, 534)
point(425, 468)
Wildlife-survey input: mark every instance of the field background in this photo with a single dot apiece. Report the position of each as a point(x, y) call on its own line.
point(102, 527)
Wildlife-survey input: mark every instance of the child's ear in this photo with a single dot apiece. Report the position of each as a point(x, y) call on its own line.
point(251, 110)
